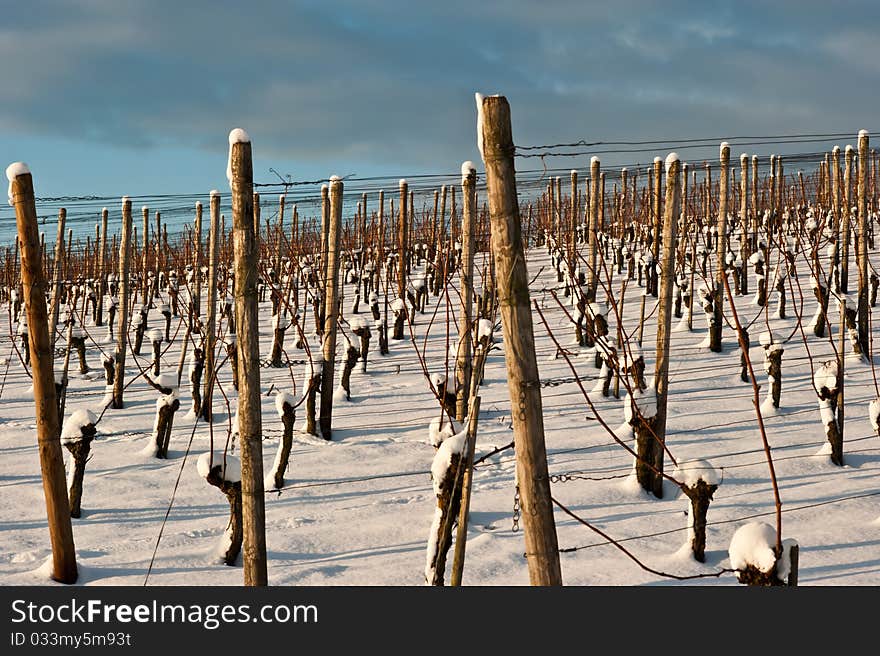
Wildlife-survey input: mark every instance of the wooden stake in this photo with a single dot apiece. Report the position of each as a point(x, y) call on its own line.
point(864, 337)
point(524, 384)
point(248, 337)
point(122, 310)
point(463, 367)
point(467, 476)
point(211, 310)
point(33, 281)
point(331, 303)
point(721, 248)
point(56, 277)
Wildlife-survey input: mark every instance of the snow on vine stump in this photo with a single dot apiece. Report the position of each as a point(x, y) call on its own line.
point(874, 415)
point(156, 337)
point(166, 405)
point(753, 554)
point(76, 436)
point(223, 471)
point(743, 356)
point(139, 322)
point(639, 411)
point(312, 385)
point(707, 302)
point(352, 355)
point(446, 475)
point(285, 404)
point(699, 480)
point(165, 311)
point(773, 351)
point(446, 397)
point(196, 367)
point(280, 324)
point(78, 343)
point(826, 381)
point(398, 307)
point(852, 330)
point(361, 330)
point(757, 261)
point(441, 428)
point(817, 324)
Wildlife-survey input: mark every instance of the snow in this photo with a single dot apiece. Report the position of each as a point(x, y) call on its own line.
point(156, 335)
point(690, 472)
point(440, 429)
point(236, 135)
point(863, 134)
point(671, 158)
point(438, 379)
point(451, 446)
point(485, 328)
point(466, 169)
point(645, 401)
point(283, 398)
point(12, 172)
point(768, 338)
point(230, 471)
point(397, 305)
point(874, 414)
point(754, 544)
point(594, 160)
point(826, 376)
point(71, 431)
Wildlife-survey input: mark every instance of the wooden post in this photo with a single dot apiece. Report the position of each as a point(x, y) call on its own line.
point(102, 272)
point(864, 337)
point(496, 147)
point(122, 311)
point(465, 325)
point(145, 212)
point(33, 281)
point(467, 475)
point(847, 218)
point(593, 243)
point(246, 320)
point(658, 221)
point(402, 227)
point(744, 222)
point(325, 227)
point(721, 251)
point(211, 310)
point(196, 290)
point(573, 221)
point(331, 303)
point(56, 278)
point(834, 274)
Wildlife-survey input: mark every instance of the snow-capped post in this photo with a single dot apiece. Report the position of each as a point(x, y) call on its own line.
point(241, 181)
point(656, 202)
point(466, 483)
point(102, 272)
point(495, 141)
point(756, 556)
point(717, 322)
point(225, 472)
point(21, 196)
point(699, 480)
point(744, 223)
point(331, 305)
point(56, 276)
point(285, 404)
point(195, 290)
point(826, 382)
point(156, 343)
point(402, 228)
point(209, 336)
point(76, 436)
point(849, 155)
point(166, 405)
point(361, 328)
point(464, 365)
point(320, 310)
point(864, 337)
point(122, 312)
point(593, 243)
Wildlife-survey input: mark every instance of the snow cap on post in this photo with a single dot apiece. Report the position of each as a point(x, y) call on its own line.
point(466, 169)
point(670, 159)
point(657, 160)
point(12, 172)
point(213, 193)
point(478, 97)
point(401, 182)
point(863, 134)
point(724, 146)
point(231, 472)
point(594, 160)
point(236, 135)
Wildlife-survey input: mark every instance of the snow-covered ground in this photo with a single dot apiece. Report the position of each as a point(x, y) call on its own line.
point(357, 509)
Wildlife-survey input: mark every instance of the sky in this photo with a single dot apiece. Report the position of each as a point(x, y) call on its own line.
point(137, 97)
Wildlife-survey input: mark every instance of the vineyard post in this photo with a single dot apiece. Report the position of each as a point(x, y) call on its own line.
point(102, 273)
point(331, 303)
point(721, 248)
point(64, 569)
point(122, 316)
point(145, 211)
point(402, 227)
point(593, 246)
point(56, 277)
point(246, 249)
point(658, 221)
point(744, 222)
point(847, 218)
point(864, 340)
point(196, 290)
point(466, 482)
point(211, 309)
point(465, 333)
point(835, 211)
point(755, 208)
point(664, 317)
point(497, 150)
point(572, 237)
